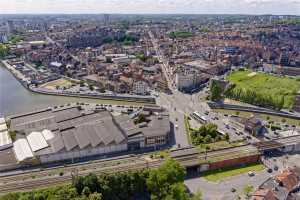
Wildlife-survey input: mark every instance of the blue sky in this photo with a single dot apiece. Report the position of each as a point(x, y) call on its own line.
point(152, 6)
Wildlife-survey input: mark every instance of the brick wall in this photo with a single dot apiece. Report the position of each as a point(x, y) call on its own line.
point(234, 162)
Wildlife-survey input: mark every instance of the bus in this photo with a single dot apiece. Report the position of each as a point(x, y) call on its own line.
point(198, 117)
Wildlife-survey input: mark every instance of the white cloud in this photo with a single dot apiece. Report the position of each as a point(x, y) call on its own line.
point(152, 6)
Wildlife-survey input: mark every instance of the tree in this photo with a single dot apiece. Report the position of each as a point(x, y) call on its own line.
point(4, 50)
point(197, 196)
point(205, 134)
point(141, 118)
point(78, 184)
point(91, 181)
point(216, 91)
point(86, 191)
point(177, 191)
point(227, 137)
point(247, 190)
point(95, 196)
point(160, 180)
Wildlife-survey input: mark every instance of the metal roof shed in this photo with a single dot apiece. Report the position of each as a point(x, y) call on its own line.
point(22, 150)
point(37, 141)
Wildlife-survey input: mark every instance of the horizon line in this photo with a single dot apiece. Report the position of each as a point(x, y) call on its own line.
point(298, 15)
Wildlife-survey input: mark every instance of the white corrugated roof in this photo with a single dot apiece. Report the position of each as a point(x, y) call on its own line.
point(22, 149)
point(3, 127)
point(5, 138)
point(48, 135)
point(36, 141)
point(2, 120)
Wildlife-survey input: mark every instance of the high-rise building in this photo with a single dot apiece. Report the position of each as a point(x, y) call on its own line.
point(10, 27)
point(106, 19)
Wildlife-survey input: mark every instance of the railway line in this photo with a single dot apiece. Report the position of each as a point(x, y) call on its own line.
point(187, 157)
point(42, 183)
point(52, 171)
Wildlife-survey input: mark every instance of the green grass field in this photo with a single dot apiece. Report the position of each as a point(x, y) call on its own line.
point(220, 174)
point(267, 84)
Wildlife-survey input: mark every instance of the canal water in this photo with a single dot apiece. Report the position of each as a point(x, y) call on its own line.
point(14, 98)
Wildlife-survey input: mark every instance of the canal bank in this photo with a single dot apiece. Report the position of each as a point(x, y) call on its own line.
point(117, 97)
point(14, 98)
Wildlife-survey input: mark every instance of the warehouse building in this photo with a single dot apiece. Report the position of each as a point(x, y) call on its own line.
point(67, 133)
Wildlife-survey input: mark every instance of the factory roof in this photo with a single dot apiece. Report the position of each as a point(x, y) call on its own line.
point(22, 150)
point(36, 141)
point(5, 138)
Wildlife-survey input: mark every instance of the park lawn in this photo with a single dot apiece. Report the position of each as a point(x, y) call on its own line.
point(267, 84)
point(220, 174)
point(180, 34)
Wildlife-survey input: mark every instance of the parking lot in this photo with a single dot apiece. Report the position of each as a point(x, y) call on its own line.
point(223, 190)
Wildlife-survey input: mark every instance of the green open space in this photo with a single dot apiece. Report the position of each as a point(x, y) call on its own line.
point(180, 34)
point(220, 174)
point(62, 82)
point(266, 86)
point(187, 128)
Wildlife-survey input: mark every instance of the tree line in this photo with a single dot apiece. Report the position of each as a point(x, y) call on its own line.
point(163, 183)
point(255, 98)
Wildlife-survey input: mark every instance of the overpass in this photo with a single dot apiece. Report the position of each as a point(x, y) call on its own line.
point(285, 144)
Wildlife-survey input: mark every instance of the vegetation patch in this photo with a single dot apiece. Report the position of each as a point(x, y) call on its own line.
point(4, 50)
point(220, 174)
point(206, 134)
point(165, 182)
point(187, 128)
point(263, 89)
point(56, 84)
point(180, 34)
point(220, 145)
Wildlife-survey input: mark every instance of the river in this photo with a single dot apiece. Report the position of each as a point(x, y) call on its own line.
point(14, 98)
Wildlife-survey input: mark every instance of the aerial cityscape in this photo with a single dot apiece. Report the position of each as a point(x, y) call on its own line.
point(150, 100)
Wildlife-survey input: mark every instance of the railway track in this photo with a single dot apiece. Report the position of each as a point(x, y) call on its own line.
point(42, 183)
point(68, 169)
point(24, 182)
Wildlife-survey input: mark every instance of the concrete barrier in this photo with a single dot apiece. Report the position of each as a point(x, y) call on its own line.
point(215, 105)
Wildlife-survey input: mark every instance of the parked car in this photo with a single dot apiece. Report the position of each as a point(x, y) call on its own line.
point(250, 173)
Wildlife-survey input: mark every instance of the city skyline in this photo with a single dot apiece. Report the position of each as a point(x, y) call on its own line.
point(276, 7)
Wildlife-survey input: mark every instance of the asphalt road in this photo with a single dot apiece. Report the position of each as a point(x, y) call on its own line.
point(222, 190)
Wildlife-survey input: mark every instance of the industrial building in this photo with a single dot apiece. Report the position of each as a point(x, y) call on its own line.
point(57, 134)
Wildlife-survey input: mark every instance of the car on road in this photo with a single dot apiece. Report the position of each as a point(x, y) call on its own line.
point(250, 173)
point(269, 170)
point(233, 190)
point(176, 126)
point(276, 168)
